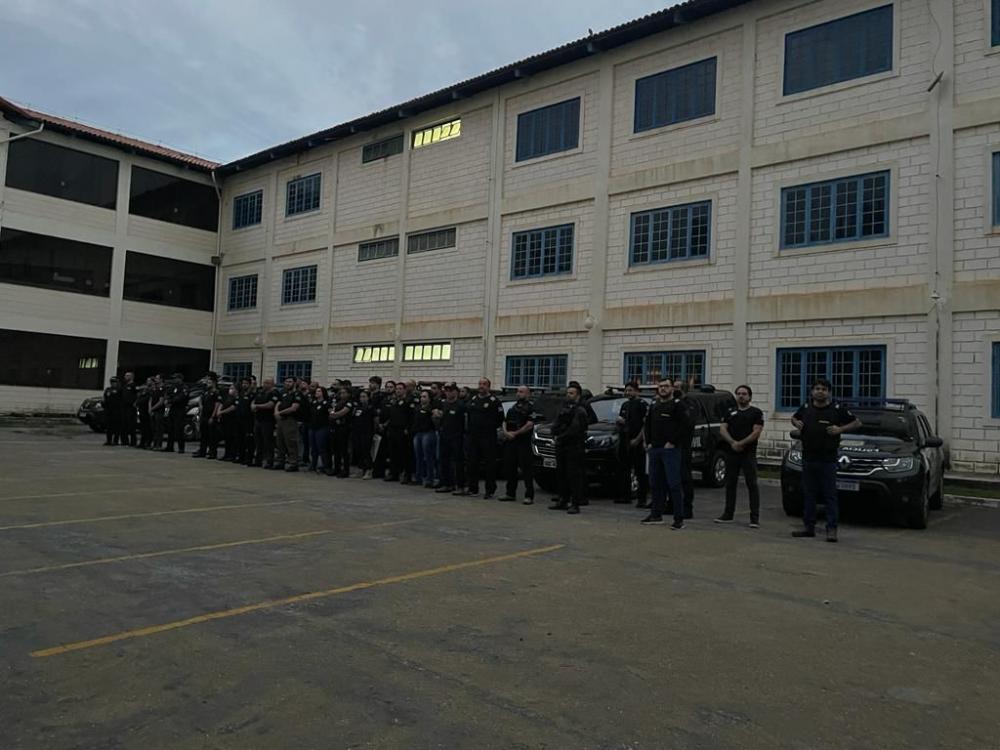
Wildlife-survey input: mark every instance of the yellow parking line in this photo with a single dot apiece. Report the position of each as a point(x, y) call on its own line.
point(226, 613)
point(107, 492)
point(200, 548)
point(124, 516)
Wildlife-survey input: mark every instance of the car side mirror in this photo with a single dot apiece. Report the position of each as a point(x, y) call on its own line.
point(795, 434)
point(933, 442)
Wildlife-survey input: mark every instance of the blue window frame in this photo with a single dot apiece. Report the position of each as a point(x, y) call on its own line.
point(675, 233)
point(856, 372)
point(995, 22)
point(298, 285)
point(537, 371)
point(673, 96)
point(841, 50)
point(542, 252)
point(548, 130)
point(302, 195)
point(247, 209)
point(301, 369)
point(648, 368)
point(843, 210)
point(996, 187)
point(236, 371)
point(243, 292)
point(995, 410)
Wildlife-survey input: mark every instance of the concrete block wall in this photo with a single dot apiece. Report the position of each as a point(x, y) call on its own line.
point(977, 64)
point(977, 240)
point(714, 340)
point(448, 284)
point(574, 345)
point(975, 440)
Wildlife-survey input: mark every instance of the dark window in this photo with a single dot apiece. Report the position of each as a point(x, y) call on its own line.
point(841, 50)
point(995, 22)
point(542, 252)
point(548, 130)
point(995, 410)
point(54, 263)
point(298, 285)
point(856, 372)
point(387, 248)
point(302, 195)
point(237, 370)
point(427, 241)
point(45, 360)
point(147, 360)
point(649, 368)
point(247, 209)
point(538, 371)
point(823, 213)
point(676, 233)
point(685, 93)
point(301, 369)
point(164, 197)
point(243, 292)
point(165, 281)
point(40, 167)
point(382, 149)
point(996, 187)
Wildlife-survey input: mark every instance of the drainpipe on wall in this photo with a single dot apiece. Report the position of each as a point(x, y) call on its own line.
point(41, 127)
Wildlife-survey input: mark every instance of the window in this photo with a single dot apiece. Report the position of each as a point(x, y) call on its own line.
point(822, 213)
point(546, 371)
point(841, 50)
point(387, 248)
point(247, 209)
point(54, 263)
point(382, 149)
point(146, 360)
point(375, 353)
point(298, 285)
point(665, 234)
point(857, 373)
point(995, 410)
point(45, 360)
point(243, 292)
point(542, 252)
point(548, 130)
point(47, 169)
point(443, 132)
point(427, 241)
point(673, 96)
point(163, 197)
point(302, 195)
point(301, 369)
point(995, 22)
point(438, 352)
point(996, 187)
point(236, 371)
point(165, 281)
point(648, 368)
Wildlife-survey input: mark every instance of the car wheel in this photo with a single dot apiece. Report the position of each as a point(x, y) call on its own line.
point(546, 480)
point(791, 505)
point(937, 499)
point(918, 515)
point(715, 474)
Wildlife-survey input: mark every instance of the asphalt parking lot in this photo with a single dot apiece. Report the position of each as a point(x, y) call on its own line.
point(155, 601)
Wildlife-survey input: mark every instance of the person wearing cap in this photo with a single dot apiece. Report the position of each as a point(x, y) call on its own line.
point(451, 439)
point(112, 404)
point(177, 402)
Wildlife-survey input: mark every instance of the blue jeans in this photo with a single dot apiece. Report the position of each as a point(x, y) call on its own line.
point(319, 441)
point(425, 445)
point(664, 476)
point(819, 480)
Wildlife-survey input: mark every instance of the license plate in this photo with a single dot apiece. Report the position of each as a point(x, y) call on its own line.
point(848, 486)
point(549, 463)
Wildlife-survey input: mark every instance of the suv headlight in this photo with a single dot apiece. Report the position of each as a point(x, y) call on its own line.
point(600, 441)
point(98, 406)
point(898, 464)
point(795, 457)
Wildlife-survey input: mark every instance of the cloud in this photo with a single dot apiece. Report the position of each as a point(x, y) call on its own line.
point(227, 78)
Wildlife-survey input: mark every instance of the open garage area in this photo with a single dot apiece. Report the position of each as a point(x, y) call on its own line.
point(155, 601)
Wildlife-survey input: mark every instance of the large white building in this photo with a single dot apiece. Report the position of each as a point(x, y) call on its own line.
point(760, 191)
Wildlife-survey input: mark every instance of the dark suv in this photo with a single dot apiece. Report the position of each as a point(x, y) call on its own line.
point(602, 450)
point(894, 459)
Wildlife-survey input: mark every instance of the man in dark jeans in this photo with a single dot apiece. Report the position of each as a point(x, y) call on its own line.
point(665, 426)
point(631, 418)
point(570, 433)
point(687, 479)
point(484, 415)
point(451, 435)
point(517, 430)
point(741, 429)
point(820, 423)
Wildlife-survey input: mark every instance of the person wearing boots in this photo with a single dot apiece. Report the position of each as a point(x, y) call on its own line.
point(570, 434)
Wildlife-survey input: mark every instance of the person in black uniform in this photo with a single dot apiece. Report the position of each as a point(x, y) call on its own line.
point(112, 403)
point(244, 424)
point(288, 414)
point(306, 391)
point(262, 407)
point(380, 402)
point(177, 403)
point(451, 440)
point(690, 409)
point(142, 412)
point(517, 429)
point(228, 424)
point(398, 426)
point(425, 441)
point(318, 432)
point(484, 416)
point(340, 414)
point(632, 452)
point(157, 413)
point(569, 431)
point(362, 432)
point(741, 429)
point(127, 415)
point(209, 401)
point(663, 431)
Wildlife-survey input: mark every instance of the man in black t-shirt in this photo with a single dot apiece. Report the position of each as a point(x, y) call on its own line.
point(741, 429)
point(632, 452)
point(821, 423)
point(517, 429)
point(288, 414)
point(451, 439)
point(264, 402)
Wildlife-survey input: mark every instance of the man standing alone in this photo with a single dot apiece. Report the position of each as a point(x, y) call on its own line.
point(741, 429)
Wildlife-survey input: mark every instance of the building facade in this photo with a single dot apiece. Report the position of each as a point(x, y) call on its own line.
point(106, 249)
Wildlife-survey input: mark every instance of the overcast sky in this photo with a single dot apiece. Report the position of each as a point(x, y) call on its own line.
point(225, 78)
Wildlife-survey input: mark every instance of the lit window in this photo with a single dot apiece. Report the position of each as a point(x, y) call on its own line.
point(89, 363)
point(443, 132)
point(377, 249)
point(374, 353)
point(857, 373)
point(649, 368)
point(438, 352)
point(437, 239)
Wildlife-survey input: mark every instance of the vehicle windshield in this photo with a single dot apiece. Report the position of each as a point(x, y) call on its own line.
point(607, 409)
point(886, 424)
